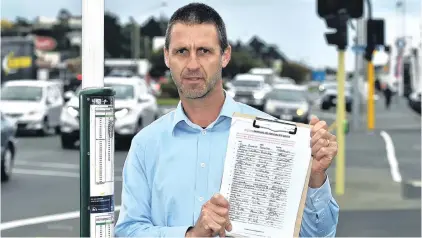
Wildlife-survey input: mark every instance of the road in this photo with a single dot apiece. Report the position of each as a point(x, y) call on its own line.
point(46, 182)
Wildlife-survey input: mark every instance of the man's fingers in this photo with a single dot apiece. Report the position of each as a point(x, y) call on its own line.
point(210, 225)
point(318, 126)
point(229, 226)
point(314, 120)
point(318, 145)
point(322, 134)
point(219, 210)
point(219, 200)
point(217, 218)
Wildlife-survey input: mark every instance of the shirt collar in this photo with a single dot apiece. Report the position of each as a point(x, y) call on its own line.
point(229, 108)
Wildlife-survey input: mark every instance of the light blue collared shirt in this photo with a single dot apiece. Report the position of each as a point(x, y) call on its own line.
point(174, 166)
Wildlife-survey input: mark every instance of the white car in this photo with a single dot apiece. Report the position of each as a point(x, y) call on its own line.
point(34, 105)
point(135, 108)
point(249, 89)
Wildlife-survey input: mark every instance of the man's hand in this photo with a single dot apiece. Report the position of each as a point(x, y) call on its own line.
point(213, 220)
point(324, 149)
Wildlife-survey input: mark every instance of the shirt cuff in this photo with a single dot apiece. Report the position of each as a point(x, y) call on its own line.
point(176, 231)
point(317, 199)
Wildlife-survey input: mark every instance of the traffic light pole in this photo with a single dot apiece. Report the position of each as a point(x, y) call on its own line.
point(96, 110)
point(370, 96)
point(340, 118)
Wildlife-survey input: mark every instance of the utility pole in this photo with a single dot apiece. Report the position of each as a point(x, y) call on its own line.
point(135, 39)
point(358, 76)
point(96, 112)
point(337, 14)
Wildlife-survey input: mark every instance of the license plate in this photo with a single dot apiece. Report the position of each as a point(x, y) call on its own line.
point(334, 101)
point(243, 100)
point(286, 117)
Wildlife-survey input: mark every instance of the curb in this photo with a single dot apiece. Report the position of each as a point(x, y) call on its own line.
point(411, 189)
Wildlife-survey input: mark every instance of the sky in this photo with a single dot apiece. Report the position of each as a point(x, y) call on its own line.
point(292, 25)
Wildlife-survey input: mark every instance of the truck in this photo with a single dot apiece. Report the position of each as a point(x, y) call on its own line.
point(18, 58)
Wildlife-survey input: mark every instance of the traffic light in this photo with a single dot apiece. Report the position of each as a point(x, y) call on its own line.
point(354, 8)
point(374, 36)
point(339, 36)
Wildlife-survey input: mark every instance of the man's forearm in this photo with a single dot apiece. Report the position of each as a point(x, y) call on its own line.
point(321, 212)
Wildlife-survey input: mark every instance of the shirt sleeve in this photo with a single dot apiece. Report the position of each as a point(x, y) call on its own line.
point(135, 212)
point(321, 213)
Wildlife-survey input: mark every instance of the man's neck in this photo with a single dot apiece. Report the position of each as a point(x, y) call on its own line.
point(205, 110)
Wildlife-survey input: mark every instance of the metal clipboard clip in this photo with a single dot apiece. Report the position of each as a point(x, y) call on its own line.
point(275, 125)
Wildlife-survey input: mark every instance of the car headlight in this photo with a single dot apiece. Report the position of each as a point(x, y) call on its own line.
point(35, 113)
point(121, 113)
point(269, 107)
point(72, 111)
point(302, 110)
point(259, 95)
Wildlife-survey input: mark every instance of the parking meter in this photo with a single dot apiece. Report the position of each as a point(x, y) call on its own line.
point(97, 162)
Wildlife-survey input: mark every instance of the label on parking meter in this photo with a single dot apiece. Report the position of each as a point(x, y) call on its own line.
point(102, 166)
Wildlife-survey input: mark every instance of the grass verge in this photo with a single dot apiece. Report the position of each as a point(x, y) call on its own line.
point(167, 101)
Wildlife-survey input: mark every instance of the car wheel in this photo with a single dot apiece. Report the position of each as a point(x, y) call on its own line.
point(349, 107)
point(7, 163)
point(67, 142)
point(45, 130)
point(325, 106)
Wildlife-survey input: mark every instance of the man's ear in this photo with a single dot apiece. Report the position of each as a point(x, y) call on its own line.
point(227, 54)
point(166, 56)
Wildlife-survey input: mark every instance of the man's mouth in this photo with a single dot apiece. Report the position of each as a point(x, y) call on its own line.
point(193, 78)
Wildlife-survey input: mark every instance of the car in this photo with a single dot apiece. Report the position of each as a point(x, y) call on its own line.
point(249, 89)
point(329, 92)
point(135, 108)
point(414, 101)
point(35, 105)
point(8, 146)
point(288, 102)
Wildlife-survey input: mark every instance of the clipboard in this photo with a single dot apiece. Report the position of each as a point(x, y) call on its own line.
point(284, 127)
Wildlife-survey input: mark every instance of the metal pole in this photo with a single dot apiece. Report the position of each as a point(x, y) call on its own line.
point(358, 76)
point(370, 106)
point(96, 111)
point(136, 38)
point(340, 160)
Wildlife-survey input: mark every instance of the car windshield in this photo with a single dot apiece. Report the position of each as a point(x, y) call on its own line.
point(246, 83)
point(21, 93)
point(347, 87)
point(123, 91)
point(287, 95)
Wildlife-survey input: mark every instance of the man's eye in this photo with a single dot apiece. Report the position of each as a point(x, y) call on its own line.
point(204, 51)
point(181, 51)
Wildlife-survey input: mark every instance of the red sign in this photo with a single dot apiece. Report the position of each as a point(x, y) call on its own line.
point(45, 43)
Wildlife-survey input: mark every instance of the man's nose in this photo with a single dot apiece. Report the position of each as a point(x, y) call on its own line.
point(193, 63)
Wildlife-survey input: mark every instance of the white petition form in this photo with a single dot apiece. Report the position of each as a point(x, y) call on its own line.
point(265, 171)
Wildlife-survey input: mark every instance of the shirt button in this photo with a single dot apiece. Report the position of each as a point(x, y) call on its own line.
point(203, 165)
point(204, 132)
point(201, 199)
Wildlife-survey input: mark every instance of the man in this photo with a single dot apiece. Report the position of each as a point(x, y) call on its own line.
point(173, 171)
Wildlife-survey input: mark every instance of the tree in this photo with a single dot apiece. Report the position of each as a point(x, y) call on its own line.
point(158, 66)
point(113, 37)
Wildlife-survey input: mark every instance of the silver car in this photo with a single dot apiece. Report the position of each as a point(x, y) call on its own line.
point(35, 105)
point(135, 108)
point(8, 146)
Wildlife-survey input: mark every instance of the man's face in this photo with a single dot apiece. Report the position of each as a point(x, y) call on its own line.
point(195, 59)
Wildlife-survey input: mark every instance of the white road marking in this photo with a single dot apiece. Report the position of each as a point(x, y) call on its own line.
point(391, 157)
point(416, 183)
point(47, 164)
point(42, 219)
point(53, 173)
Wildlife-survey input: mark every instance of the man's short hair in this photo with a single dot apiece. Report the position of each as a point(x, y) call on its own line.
point(198, 13)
